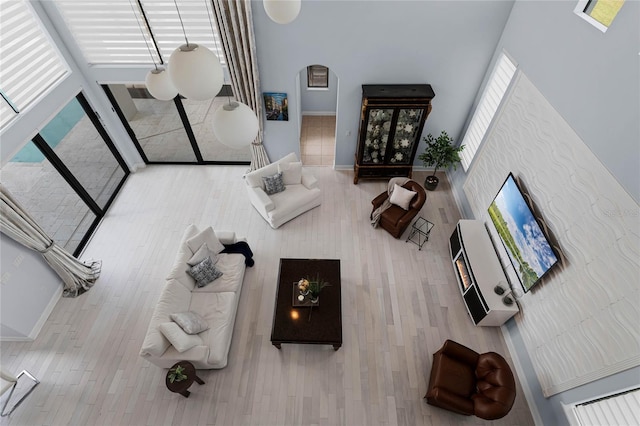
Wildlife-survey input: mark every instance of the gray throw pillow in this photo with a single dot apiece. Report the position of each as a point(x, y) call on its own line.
point(204, 272)
point(273, 184)
point(190, 322)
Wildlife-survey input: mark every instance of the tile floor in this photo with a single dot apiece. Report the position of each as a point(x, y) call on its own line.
point(318, 140)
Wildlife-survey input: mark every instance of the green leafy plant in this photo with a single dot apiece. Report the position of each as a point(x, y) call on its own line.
point(316, 285)
point(440, 152)
point(177, 374)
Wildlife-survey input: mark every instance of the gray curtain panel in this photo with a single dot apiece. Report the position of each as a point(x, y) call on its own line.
point(16, 223)
point(235, 25)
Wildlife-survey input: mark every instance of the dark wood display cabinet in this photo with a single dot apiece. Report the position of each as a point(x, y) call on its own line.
point(391, 122)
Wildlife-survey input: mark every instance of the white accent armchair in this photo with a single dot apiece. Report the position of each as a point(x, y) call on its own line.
point(300, 195)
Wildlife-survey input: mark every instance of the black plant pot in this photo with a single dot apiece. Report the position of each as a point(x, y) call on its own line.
point(431, 182)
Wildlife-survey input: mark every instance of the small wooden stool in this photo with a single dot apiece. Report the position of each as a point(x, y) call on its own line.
point(182, 386)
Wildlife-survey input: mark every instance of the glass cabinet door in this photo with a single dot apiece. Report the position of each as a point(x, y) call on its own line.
point(377, 135)
point(406, 135)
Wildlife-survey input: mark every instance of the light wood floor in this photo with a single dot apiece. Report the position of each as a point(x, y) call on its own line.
point(399, 305)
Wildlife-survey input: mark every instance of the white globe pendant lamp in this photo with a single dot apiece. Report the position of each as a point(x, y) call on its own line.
point(235, 125)
point(282, 11)
point(159, 84)
point(196, 72)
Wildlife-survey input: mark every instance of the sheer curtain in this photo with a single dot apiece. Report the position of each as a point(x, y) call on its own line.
point(16, 223)
point(235, 25)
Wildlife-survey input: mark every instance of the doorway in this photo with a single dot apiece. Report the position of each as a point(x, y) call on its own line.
point(317, 113)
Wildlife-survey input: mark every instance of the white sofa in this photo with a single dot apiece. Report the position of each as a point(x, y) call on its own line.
point(299, 196)
point(217, 303)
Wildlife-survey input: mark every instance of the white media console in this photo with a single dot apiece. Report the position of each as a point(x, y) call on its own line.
point(478, 272)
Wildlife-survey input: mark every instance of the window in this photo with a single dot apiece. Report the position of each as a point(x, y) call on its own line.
point(120, 32)
point(599, 13)
point(494, 91)
point(618, 409)
point(67, 175)
point(31, 65)
point(317, 76)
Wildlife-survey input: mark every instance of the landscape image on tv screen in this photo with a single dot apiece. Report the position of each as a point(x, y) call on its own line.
point(528, 248)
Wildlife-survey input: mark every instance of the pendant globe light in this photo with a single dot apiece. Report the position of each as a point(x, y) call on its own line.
point(235, 124)
point(282, 11)
point(157, 81)
point(159, 84)
point(195, 70)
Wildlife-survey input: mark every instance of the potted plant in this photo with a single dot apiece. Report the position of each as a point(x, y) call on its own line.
point(176, 374)
point(439, 153)
point(315, 287)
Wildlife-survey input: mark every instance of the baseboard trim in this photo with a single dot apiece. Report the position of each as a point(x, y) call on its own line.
point(45, 314)
point(323, 113)
point(526, 389)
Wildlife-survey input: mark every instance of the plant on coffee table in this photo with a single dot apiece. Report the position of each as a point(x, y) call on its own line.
point(315, 287)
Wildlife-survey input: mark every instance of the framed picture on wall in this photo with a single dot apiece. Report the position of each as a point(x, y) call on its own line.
point(276, 106)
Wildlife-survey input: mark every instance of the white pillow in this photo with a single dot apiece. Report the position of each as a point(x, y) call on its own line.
point(202, 253)
point(291, 173)
point(401, 196)
point(178, 338)
point(207, 236)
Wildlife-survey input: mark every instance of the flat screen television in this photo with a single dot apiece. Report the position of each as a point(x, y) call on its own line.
point(527, 246)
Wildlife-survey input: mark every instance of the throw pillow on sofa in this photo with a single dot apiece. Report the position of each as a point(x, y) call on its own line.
point(207, 236)
point(204, 272)
point(202, 253)
point(401, 196)
point(178, 338)
point(273, 184)
point(291, 173)
point(190, 322)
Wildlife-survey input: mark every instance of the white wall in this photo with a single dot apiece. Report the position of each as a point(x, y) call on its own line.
point(447, 44)
point(578, 324)
point(29, 287)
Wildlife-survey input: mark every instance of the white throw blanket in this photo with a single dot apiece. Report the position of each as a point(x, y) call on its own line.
point(375, 215)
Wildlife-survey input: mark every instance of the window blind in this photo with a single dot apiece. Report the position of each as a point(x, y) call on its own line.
point(622, 409)
point(6, 112)
point(495, 90)
point(109, 32)
point(167, 29)
point(30, 63)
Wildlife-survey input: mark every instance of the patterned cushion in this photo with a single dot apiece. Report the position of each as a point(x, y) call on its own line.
point(273, 184)
point(190, 322)
point(204, 272)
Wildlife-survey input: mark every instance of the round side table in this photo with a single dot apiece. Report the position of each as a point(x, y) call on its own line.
point(182, 386)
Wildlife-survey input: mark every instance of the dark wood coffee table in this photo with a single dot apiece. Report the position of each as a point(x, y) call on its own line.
point(318, 325)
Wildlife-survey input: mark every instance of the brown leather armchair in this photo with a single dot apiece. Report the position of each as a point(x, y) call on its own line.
point(469, 383)
point(395, 219)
